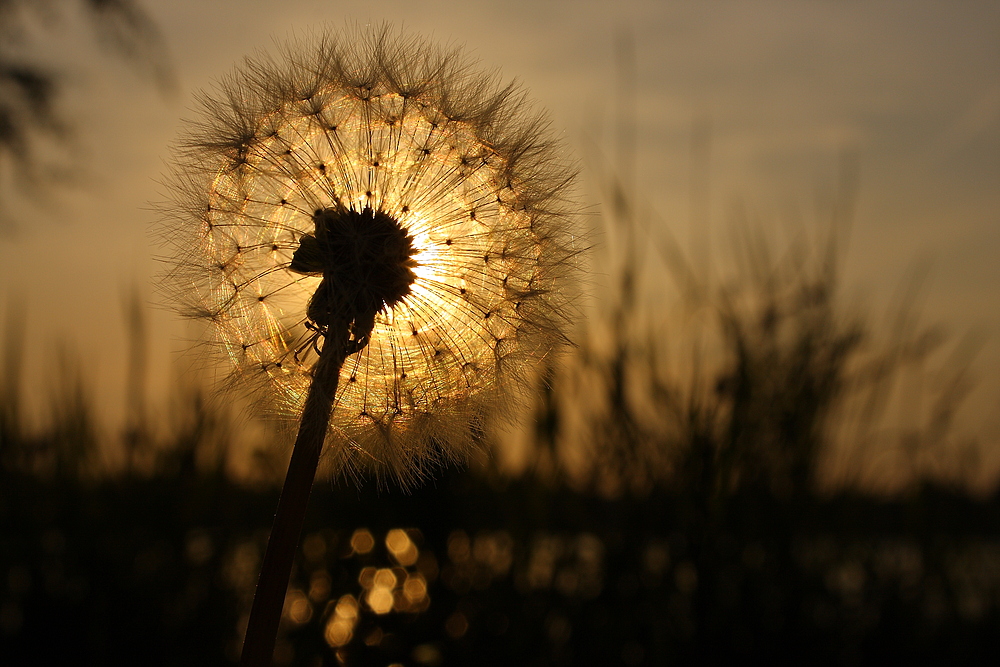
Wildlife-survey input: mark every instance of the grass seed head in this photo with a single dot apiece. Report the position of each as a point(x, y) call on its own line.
point(370, 180)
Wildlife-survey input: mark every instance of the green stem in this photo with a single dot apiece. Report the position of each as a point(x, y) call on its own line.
point(262, 629)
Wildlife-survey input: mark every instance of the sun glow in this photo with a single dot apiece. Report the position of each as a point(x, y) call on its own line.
point(442, 186)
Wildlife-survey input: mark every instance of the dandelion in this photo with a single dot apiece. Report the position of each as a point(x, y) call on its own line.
point(381, 241)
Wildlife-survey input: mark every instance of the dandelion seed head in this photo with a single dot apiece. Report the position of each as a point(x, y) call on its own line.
point(373, 177)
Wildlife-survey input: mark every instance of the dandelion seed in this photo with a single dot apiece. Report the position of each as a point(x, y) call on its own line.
point(373, 182)
point(367, 208)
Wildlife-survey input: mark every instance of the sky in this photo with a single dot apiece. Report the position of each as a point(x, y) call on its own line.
point(781, 94)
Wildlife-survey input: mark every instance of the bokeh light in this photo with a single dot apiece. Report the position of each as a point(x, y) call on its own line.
point(362, 541)
point(402, 547)
point(340, 626)
point(297, 608)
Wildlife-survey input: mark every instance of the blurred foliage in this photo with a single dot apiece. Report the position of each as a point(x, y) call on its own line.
point(160, 571)
point(691, 532)
point(757, 380)
point(32, 129)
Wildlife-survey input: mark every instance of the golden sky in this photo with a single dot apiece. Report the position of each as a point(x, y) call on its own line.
point(782, 90)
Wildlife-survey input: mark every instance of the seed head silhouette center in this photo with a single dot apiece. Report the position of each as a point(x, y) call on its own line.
point(366, 261)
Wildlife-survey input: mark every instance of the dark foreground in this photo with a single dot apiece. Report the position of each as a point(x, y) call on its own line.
point(160, 572)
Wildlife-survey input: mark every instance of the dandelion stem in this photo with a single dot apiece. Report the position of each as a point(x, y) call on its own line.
point(262, 629)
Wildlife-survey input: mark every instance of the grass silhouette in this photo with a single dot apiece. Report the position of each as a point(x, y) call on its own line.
point(698, 535)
